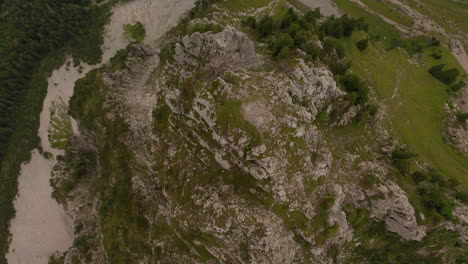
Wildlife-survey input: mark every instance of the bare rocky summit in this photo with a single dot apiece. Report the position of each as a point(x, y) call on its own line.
point(205, 149)
point(216, 53)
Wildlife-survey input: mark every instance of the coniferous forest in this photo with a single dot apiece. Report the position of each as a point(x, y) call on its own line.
point(35, 37)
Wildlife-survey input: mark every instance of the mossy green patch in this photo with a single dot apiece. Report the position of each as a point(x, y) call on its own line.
point(118, 62)
point(136, 32)
point(87, 102)
point(378, 245)
point(319, 222)
point(204, 27)
point(229, 116)
point(123, 222)
point(60, 125)
point(161, 118)
point(322, 117)
point(355, 216)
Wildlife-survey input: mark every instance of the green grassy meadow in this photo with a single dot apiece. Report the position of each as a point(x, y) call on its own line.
point(390, 11)
point(449, 14)
point(413, 100)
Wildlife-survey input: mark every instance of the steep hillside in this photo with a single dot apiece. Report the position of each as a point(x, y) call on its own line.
point(264, 132)
point(416, 105)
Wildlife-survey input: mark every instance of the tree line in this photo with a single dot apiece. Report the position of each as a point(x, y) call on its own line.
point(29, 31)
point(35, 36)
point(293, 32)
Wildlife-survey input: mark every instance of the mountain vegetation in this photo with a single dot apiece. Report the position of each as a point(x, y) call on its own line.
point(253, 131)
point(35, 37)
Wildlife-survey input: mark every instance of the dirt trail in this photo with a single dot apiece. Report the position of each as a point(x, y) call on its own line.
point(400, 27)
point(420, 20)
point(423, 23)
point(41, 226)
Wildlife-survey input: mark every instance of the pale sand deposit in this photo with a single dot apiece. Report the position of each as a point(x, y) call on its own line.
point(41, 226)
point(327, 7)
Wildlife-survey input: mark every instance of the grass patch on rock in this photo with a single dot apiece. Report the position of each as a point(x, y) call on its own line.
point(135, 32)
point(229, 115)
point(60, 125)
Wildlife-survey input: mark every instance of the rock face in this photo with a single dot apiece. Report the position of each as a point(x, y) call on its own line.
point(397, 212)
point(457, 132)
point(459, 137)
point(314, 86)
point(213, 159)
point(238, 128)
point(216, 53)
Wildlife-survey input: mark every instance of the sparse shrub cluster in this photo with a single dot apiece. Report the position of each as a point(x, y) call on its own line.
point(462, 196)
point(332, 47)
point(343, 26)
point(436, 204)
point(161, 118)
point(118, 62)
point(83, 244)
point(291, 32)
point(433, 191)
point(250, 22)
point(378, 245)
point(401, 159)
point(355, 216)
point(370, 180)
point(358, 91)
point(357, 95)
point(414, 45)
point(81, 165)
point(462, 117)
point(205, 27)
point(432, 187)
point(437, 54)
point(319, 223)
point(201, 8)
point(265, 26)
point(282, 42)
point(330, 32)
point(445, 76)
point(135, 32)
point(121, 208)
point(457, 86)
point(294, 31)
point(167, 53)
point(362, 44)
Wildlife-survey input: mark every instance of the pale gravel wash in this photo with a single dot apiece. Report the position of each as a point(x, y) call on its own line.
point(41, 225)
point(327, 7)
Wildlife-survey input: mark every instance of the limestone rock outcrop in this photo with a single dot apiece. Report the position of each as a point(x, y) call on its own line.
point(216, 53)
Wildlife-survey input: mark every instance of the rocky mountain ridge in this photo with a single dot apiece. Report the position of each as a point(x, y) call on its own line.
point(206, 149)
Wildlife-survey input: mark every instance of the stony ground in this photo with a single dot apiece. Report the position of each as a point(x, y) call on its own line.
point(203, 148)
